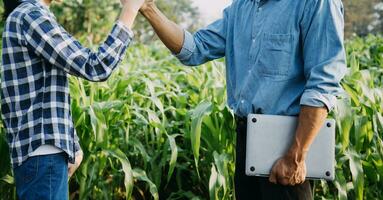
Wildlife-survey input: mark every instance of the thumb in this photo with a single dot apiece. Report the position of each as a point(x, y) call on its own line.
point(70, 170)
point(273, 176)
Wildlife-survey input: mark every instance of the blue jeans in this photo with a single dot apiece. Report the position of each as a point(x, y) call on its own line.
point(43, 177)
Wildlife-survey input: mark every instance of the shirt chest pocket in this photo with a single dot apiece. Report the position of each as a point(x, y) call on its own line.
point(275, 57)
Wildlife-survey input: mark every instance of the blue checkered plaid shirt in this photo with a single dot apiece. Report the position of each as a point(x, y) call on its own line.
point(38, 54)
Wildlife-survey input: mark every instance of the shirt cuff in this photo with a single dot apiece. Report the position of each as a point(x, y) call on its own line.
point(316, 99)
point(187, 48)
point(77, 147)
point(122, 32)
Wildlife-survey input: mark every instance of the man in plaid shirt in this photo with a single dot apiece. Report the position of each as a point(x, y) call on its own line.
point(38, 55)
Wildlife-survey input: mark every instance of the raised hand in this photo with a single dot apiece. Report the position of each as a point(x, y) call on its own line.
point(170, 33)
point(134, 5)
point(130, 10)
point(147, 4)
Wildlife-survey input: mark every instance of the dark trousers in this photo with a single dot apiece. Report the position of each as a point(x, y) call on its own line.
point(43, 177)
point(254, 188)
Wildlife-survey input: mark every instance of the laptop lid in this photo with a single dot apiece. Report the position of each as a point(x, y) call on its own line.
point(269, 137)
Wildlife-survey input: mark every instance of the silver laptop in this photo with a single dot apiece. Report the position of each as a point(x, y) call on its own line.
point(269, 137)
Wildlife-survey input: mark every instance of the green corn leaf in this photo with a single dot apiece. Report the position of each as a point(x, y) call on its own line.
point(8, 179)
point(357, 173)
point(341, 185)
point(127, 169)
point(213, 182)
point(198, 113)
point(174, 155)
point(141, 175)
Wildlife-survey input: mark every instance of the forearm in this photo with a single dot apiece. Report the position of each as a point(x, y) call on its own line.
point(311, 120)
point(128, 15)
point(97, 66)
point(169, 32)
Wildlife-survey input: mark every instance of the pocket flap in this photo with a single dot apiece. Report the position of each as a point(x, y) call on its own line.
point(278, 42)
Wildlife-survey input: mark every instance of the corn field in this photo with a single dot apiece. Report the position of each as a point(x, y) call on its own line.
point(159, 130)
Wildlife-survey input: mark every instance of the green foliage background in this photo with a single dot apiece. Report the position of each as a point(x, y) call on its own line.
point(159, 130)
point(91, 20)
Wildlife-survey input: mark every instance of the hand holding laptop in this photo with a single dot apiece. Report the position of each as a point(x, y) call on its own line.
point(270, 137)
point(289, 171)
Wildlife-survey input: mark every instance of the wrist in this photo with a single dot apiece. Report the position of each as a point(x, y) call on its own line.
point(131, 8)
point(128, 11)
point(147, 8)
point(296, 153)
point(128, 15)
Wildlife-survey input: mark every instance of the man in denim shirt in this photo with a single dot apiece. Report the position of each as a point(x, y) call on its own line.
point(284, 57)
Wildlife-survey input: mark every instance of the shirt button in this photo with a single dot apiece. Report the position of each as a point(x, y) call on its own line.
point(253, 40)
point(243, 101)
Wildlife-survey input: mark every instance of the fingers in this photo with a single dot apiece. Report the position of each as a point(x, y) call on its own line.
point(277, 175)
point(302, 179)
point(122, 2)
point(274, 173)
point(288, 174)
point(73, 167)
point(280, 177)
point(299, 176)
point(284, 181)
point(273, 177)
point(70, 170)
point(295, 179)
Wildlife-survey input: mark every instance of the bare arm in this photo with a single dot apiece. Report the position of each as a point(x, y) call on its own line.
point(206, 44)
point(291, 169)
point(311, 121)
point(169, 32)
point(129, 11)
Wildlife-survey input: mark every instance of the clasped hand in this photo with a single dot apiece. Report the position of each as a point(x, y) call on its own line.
point(136, 4)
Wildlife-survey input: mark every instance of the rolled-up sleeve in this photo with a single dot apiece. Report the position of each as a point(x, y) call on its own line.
point(187, 48)
point(324, 53)
point(206, 44)
point(49, 40)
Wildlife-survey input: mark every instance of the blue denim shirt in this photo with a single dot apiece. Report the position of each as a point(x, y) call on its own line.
point(280, 54)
